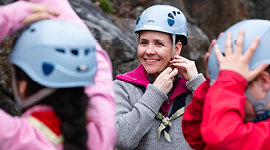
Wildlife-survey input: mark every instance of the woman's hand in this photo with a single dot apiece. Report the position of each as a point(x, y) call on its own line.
point(165, 80)
point(236, 61)
point(39, 12)
point(186, 67)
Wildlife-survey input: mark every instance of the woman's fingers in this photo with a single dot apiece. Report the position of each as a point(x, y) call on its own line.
point(35, 17)
point(40, 12)
point(42, 8)
point(173, 73)
point(164, 81)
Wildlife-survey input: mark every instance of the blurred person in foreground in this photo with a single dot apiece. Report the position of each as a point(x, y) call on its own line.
point(100, 108)
point(230, 110)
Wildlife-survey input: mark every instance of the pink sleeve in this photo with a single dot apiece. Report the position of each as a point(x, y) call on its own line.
point(64, 8)
point(11, 16)
point(101, 108)
point(17, 133)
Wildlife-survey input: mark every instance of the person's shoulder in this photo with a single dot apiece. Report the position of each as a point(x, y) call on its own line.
point(117, 82)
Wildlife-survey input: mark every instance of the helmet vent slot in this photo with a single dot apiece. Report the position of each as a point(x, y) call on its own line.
point(32, 30)
point(75, 52)
point(60, 50)
point(87, 52)
point(170, 15)
point(174, 13)
point(178, 12)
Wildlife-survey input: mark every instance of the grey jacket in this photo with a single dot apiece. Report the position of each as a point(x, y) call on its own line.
point(136, 124)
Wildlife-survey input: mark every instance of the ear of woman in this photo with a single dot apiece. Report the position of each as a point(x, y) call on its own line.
point(22, 85)
point(178, 48)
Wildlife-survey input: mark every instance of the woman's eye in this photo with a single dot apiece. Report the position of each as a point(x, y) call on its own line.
point(143, 43)
point(160, 44)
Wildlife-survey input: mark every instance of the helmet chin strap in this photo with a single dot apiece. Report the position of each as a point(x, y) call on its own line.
point(34, 98)
point(137, 38)
point(173, 38)
point(258, 105)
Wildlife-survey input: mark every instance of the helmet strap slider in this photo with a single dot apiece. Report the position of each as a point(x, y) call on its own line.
point(173, 38)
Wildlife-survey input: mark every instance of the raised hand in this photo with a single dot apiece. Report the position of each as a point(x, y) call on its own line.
point(236, 61)
point(165, 80)
point(186, 67)
point(39, 12)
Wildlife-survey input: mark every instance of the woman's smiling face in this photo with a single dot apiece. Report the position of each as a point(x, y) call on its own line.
point(154, 51)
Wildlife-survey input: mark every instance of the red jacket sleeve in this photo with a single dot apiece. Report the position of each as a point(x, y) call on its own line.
point(223, 125)
point(192, 118)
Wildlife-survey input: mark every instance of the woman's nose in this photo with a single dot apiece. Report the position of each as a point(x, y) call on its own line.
point(150, 49)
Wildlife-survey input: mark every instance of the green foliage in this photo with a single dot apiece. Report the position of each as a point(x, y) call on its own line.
point(106, 6)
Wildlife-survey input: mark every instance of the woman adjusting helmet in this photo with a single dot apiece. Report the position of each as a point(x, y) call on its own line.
point(164, 18)
point(151, 99)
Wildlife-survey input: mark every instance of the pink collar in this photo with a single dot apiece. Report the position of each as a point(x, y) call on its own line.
point(139, 77)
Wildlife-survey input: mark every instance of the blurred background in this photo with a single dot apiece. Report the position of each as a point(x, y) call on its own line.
point(112, 23)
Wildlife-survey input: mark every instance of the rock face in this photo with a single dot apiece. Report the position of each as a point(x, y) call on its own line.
point(4, 2)
point(261, 9)
point(121, 49)
point(215, 16)
point(6, 96)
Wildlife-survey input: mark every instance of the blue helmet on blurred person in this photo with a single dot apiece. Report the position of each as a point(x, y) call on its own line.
point(55, 54)
point(252, 28)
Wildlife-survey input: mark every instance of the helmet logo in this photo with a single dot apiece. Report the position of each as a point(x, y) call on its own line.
point(170, 20)
point(47, 68)
point(138, 20)
point(150, 21)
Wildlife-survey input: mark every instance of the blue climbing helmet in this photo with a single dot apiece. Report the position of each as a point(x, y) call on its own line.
point(252, 28)
point(163, 18)
point(56, 54)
